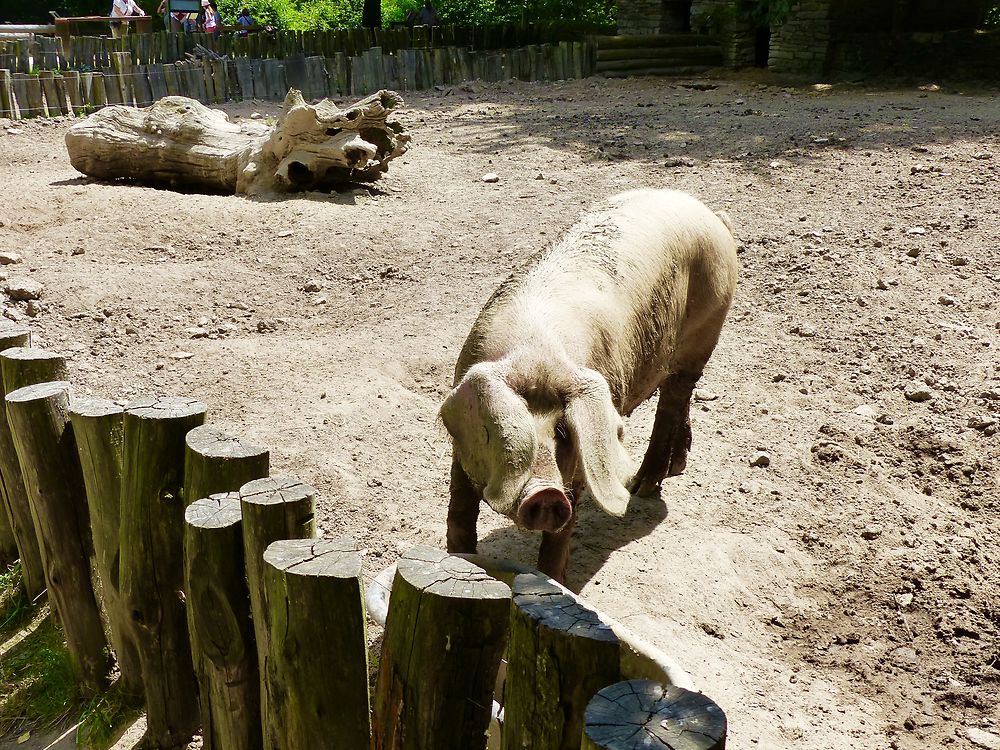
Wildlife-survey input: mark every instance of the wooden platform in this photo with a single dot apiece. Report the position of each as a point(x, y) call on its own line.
point(657, 54)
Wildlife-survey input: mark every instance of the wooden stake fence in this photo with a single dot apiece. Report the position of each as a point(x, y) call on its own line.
point(268, 622)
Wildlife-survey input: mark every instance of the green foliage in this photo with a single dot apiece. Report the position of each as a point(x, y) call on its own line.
point(15, 609)
point(763, 13)
point(296, 15)
point(105, 715)
point(37, 687)
point(992, 18)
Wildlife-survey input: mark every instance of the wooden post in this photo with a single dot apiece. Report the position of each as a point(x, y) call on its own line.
point(444, 635)
point(98, 428)
point(71, 84)
point(316, 671)
point(6, 95)
point(19, 370)
point(560, 654)
point(43, 438)
point(152, 569)
point(218, 606)
point(643, 715)
point(274, 508)
point(52, 106)
point(218, 462)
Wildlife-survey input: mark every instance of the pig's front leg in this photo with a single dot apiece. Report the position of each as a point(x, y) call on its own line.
point(671, 437)
point(553, 555)
point(463, 512)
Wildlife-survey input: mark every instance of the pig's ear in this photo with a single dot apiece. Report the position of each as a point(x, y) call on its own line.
point(493, 435)
point(596, 429)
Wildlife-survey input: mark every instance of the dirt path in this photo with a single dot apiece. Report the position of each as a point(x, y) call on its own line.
point(845, 595)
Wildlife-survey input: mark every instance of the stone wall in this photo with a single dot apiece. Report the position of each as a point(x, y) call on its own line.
point(802, 43)
point(719, 17)
point(653, 16)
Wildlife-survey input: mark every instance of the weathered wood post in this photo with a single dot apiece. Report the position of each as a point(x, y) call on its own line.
point(216, 462)
point(98, 427)
point(560, 654)
point(274, 508)
point(444, 634)
point(316, 679)
point(644, 715)
point(21, 366)
point(43, 438)
point(152, 569)
point(218, 603)
point(10, 335)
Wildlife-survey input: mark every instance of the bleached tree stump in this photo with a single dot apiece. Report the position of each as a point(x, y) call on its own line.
point(643, 715)
point(180, 142)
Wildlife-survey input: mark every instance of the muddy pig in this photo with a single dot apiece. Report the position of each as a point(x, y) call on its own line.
point(629, 301)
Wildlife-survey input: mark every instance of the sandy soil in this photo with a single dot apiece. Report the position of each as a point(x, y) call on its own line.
point(844, 595)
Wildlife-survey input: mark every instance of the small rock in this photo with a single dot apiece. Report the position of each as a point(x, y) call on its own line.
point(539, 176)
point(760, 459)
point(266, 326)
point(24, 289)
point(312, 286)
point(196, 332)
point(904, 657)
point(679, 161)
point(256, 116)
point(491, 177)
point(181, 355)
point(871, 532)
point(78, 251)
point(959, 260)
point(904, 600)
point(918, 393)
point(881, 284)
point(33, 308)
point(981, 421)
point(913, 252)
point(778, 377)
point(319, 300)
point(982, 738)
point(804, 330)
point(701, 394)
point(946, 299)
point(866, 410)
point(285, 233)
point(9, 257)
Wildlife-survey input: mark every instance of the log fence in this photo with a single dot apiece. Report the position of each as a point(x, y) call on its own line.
point(38, 78)
point(231, 618)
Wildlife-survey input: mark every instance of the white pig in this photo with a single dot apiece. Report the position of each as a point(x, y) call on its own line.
point(630, 301)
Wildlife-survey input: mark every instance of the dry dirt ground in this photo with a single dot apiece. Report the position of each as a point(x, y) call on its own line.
point(846, 594)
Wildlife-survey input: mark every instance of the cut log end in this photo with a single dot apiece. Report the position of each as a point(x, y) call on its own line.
point(276, 490)
point(542, 600)
point(640, 714)
point(37, 391)
point(167, 407)
point(217, 511)
point(435, 572)
point(92, 407)
point(318, 558)
point(211, 442)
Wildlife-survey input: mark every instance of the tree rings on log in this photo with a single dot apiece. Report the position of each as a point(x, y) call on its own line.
point(644, 715)
point(316, 667)
point(560, 654)
point(445, 632)
point(219, 462)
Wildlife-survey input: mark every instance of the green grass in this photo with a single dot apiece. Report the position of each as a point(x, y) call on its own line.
point(37, 687)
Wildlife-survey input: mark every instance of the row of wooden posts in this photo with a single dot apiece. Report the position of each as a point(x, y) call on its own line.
point(71, 92)
point(90, 52)
point(227, 614)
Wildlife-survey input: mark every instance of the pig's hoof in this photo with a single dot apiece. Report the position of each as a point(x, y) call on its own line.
point(641, 487)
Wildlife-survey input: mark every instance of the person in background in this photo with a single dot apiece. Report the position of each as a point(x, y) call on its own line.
point(123, 9)
point(244, 18)
point(210, 20)
point(171, 21)
point(428, 15)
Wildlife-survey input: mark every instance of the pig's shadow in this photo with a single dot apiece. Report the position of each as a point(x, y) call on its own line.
point(597, 535)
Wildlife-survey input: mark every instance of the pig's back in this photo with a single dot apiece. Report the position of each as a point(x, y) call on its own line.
point(611, 293)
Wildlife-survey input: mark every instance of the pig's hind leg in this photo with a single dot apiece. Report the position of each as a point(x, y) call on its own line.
point(463, 512)
point(671, 437)
point(670, 440)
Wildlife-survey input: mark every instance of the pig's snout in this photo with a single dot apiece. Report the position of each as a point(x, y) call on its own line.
point(543, 506)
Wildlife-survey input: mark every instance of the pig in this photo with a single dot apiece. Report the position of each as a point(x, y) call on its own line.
point(630, 301)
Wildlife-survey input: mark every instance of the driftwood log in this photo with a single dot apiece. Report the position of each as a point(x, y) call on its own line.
point(644, 715)
point(179, 142)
